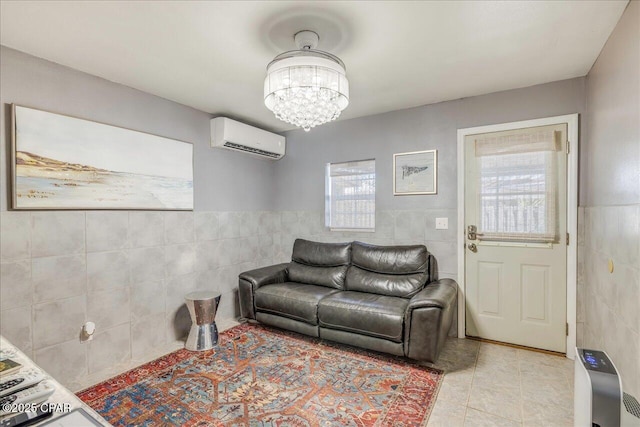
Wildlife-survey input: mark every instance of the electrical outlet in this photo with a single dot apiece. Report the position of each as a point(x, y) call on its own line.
point(88, 329)
point(442, 223)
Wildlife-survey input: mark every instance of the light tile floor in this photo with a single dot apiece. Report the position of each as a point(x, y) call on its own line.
point(495, 385)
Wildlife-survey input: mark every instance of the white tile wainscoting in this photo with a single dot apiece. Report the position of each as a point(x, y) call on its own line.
point(129, 271)
point(126, 271)
point(608, 304)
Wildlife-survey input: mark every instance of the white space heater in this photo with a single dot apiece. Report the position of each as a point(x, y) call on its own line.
point(599, 400)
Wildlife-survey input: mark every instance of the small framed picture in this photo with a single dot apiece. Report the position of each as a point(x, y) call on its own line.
point(415, 173)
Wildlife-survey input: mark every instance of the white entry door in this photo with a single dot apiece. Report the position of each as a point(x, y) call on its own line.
point(516, 232)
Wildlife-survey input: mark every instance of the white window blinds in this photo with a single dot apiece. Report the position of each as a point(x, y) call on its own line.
point(518, 185)
point(350, 195)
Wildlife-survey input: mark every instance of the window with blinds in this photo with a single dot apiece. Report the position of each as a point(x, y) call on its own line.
point(517, 185)
point(350, 195)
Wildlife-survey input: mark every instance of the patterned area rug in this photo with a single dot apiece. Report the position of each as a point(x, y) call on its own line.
point(258, 376)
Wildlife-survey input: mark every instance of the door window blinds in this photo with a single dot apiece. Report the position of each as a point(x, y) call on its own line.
point(517, 185)
point(350, 195)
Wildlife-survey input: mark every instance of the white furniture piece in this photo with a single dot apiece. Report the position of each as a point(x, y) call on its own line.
point(202, 307)
point(65, 398)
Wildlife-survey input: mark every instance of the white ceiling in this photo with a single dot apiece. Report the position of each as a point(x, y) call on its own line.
point(212, 55)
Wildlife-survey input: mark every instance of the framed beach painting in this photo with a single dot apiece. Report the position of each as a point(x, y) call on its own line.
point(62, 162)
point(415, 173)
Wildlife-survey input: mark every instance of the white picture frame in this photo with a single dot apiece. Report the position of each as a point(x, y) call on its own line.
point(415, 173)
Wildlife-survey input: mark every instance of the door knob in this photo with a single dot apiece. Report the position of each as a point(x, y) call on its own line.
point(472, 232)
point(472, 247)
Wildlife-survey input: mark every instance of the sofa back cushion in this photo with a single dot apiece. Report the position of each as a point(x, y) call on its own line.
point(400, 271)
point(323, 264)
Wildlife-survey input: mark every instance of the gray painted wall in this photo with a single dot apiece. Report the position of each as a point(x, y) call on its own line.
point(222, 180)
point(407, 219)
point(299, 176)
point(126, 271)
point(611, 206)
point(611, 174)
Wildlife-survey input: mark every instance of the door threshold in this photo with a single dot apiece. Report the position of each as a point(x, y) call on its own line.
point(521, 347)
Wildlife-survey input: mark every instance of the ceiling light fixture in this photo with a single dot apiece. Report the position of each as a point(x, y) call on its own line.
point(306, 87)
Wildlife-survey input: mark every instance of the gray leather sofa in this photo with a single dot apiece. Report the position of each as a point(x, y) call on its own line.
point(383, 298)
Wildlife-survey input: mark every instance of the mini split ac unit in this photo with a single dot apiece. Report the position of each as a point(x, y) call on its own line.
point(236, 136)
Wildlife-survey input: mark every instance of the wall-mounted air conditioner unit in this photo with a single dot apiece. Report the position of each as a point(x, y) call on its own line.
point(233, 135)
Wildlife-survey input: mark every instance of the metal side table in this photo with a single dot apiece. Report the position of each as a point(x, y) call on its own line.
point(202, 307)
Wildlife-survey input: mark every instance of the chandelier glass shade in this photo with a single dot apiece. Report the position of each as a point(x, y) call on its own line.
point(306, 87)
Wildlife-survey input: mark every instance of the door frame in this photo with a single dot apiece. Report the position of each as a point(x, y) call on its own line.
point(572, 121)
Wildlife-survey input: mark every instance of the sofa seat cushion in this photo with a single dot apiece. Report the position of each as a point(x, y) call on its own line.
point(369, 314)
point(297, 301)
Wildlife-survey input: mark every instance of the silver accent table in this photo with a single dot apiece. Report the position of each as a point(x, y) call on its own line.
point(202, 307)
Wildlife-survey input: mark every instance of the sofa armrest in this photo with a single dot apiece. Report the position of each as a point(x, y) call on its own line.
point(428, 319)
point(250, 281)
point(440, 293)
point(266, 275)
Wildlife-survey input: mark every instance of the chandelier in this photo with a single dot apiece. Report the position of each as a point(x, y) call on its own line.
point(306, 87)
